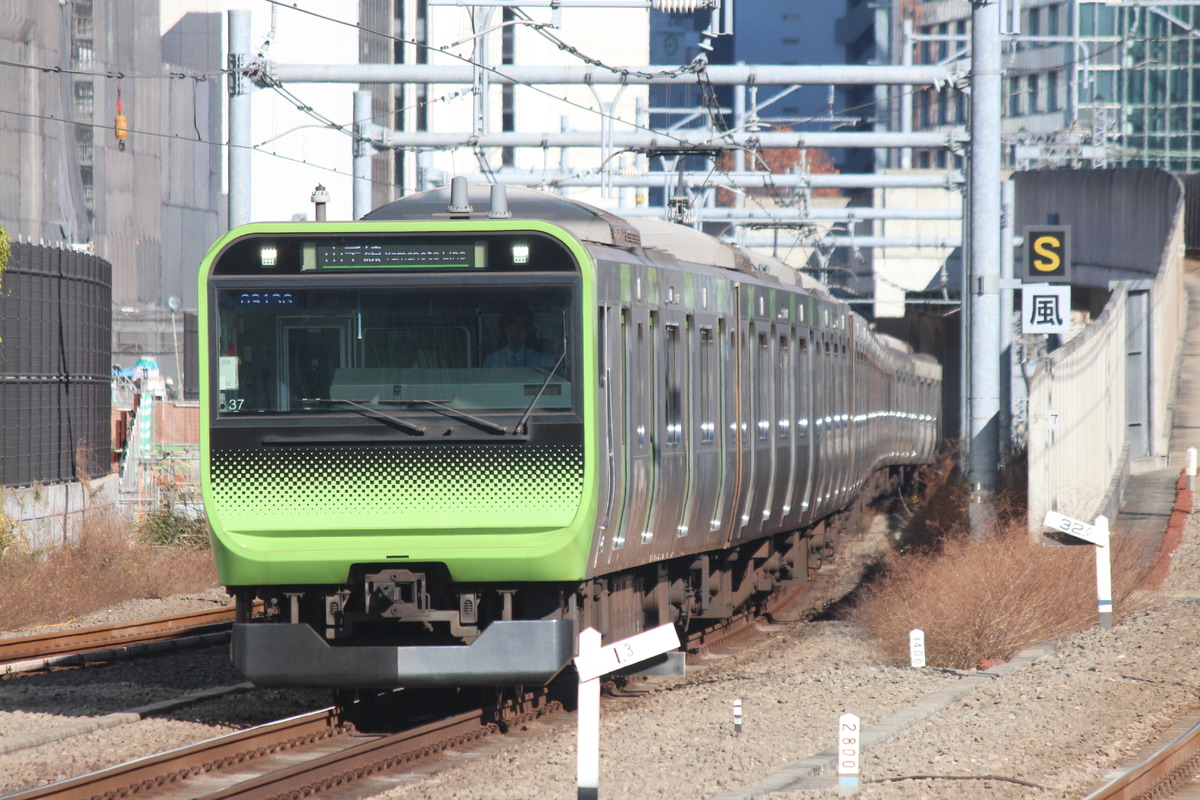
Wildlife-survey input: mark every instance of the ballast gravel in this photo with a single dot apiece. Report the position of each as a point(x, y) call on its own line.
point(1050, 724)
point(81, 713)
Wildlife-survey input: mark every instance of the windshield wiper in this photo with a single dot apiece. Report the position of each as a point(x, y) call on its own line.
point(450, 411)
point(520, 428)
point(372, 413)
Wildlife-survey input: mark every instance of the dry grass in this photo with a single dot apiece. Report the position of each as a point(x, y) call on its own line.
point(109, 564)
point(989, 598)
point(985, 598)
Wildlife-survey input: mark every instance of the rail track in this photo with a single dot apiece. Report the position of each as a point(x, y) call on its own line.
point(296, 757)
point(76, 647)
point(1168, 769)
point(331, 749)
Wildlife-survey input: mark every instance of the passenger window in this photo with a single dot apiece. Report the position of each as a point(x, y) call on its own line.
point(708, 384)
point(674, 399)
point(783, 389)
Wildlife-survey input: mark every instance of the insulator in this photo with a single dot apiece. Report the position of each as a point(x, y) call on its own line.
point(678, 6)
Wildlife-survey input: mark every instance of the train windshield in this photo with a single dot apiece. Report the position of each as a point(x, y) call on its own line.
point(391, 348)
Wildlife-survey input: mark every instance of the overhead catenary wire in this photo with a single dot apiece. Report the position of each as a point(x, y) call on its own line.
point(324, 121)
point(698, 67)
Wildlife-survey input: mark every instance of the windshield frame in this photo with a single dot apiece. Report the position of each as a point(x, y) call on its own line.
point(337, 417)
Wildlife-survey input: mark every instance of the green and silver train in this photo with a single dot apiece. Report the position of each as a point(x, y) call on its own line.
point(439, 442)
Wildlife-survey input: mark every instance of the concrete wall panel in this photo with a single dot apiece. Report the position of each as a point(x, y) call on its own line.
point(1127, 225)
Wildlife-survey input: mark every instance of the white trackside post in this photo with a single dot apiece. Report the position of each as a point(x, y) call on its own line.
point(1097, 533)
point(1191, 469)
point(849, 742)
point(588, 744)
point(1104, 601)
point(595, 661)
point(916, 647)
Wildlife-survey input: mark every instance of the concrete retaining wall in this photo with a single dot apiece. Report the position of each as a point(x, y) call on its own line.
point(48, 516)
point(1127, 233)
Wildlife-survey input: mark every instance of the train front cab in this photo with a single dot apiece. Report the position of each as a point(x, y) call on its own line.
point(407, 503)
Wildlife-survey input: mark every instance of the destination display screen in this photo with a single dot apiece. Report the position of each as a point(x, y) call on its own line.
point(381, 254)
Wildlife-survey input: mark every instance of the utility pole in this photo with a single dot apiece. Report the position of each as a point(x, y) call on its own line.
point(984, 265)
point(239, 118)
point(363, 150)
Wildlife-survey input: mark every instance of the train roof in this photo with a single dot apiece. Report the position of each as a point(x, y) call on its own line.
point(586, 222)
point(894, 343)
point(690, 244)
point(596, 225)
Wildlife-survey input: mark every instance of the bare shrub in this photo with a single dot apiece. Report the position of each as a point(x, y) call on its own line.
point(166, 527)
point(109, 564)
point(990, 597)
point(939, 511)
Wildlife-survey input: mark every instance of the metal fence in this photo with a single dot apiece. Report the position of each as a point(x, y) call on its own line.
point(55, 366)
point(1100, 405)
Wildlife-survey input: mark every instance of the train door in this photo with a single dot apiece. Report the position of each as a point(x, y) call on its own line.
point(765, 433)
point(834, 420)
point(755, 345)
point(845, 406)
point(735, 401)
point(851, 415)
point(821, 401)
point(929, 407)
point(830, 451)
point(613, 390)
point(848, 427)
point(671, 469)
point(887, 424)
point(784, 413)
point(702, 515)
point(309, 353)
point(639, 431)
point(922, 425)
point(802, 501)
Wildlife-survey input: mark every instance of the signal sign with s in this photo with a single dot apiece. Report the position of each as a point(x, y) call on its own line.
point(1047, 254)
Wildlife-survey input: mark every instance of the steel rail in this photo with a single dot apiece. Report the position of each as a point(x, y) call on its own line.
point(1159, 770)
point(361, 761)
point(161, 769)
point(361, 756)
point(333, 772)
point(82, 640)
point(784, 605)
point(330, 772)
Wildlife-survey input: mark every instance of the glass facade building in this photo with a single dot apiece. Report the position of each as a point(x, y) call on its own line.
point(1086, 82)
point(1157, 85)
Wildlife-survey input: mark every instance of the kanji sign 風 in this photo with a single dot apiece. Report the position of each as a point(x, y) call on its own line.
point(1045, 308)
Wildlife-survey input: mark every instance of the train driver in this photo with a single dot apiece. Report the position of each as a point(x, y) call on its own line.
point(516, 327)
